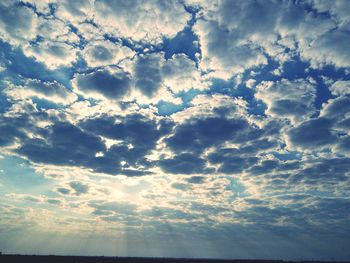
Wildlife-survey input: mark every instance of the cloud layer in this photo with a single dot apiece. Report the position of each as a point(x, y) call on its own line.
point(209, 123)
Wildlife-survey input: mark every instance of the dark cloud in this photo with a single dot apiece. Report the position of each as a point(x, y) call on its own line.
point(17, 23)
point(101, 53)
point(286, 107)
point(138, 134)
point(324, 171)
point(337, 108)
point(311, 213)
point(62, 190)
point(344, 124)
point(265, 166)
point(66, 144)
point(10, 130)
point(344, 144)
point(196, 179)
point(79, 188)
point(63, 144)
point(14, 127)
point(148, 74)
point(313, 133)
point(231, 160)
point(184, 163)
point(112, 85)
point(134, 129)
point(198, 134)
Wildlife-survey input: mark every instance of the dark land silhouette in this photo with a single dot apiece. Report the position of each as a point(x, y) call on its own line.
point(85, 259)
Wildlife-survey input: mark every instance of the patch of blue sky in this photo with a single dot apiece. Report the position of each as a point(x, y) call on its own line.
point(4, 103)
point(230, 88)
point(291, 70)
point(167, 108)
point(237, 188)
point(323, 93)
point(185, 42)
point(296, 69)
point(262, 72)
point(43, 104)
point(18, 65)
point(187, 96)
point(19, 177)
point(51, 7)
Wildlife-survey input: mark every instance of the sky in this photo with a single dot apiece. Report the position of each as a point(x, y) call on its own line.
point(215, 129)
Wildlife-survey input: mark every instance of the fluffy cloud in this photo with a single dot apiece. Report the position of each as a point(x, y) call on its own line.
point(180, 74)
point(326, 130)
point(52, 54)
point(104, 53)
point(51, 91)
point(17, 23)
point(313, 133)
point(223, 52)
point(10, 130)
point(340, 87)
point(74, 11)
point(141, 21)
point(328, 49)
point(56, 30)
point(293, 100)
point(63, 144)
point(338, 9)
point(147, 71)
point(234, 38)
point(184, 163)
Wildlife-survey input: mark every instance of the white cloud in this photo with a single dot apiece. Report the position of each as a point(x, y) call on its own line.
point(141, 21)
point(180, 74)
point(74, 11)
point(41, 6)
point(340, 87)
point(223, 52)
point(339, 10)
point(17, 24)
point(56, 30)
point(90, 32)
point(206, 105)
point(52, 91)
point(250, 83)
point(235, 36)
point(104, 53)
point(52, 54)
point(329, 49)
point(288, 99)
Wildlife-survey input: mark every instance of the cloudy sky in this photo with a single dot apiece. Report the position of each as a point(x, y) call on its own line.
point(175, 128)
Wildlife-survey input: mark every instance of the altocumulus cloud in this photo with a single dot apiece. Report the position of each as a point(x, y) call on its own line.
point(190, 121)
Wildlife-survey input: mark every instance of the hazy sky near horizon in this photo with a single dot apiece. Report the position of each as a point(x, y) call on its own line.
point(175, 128)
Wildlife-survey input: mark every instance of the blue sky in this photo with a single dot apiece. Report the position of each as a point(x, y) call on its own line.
point(175, 128)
